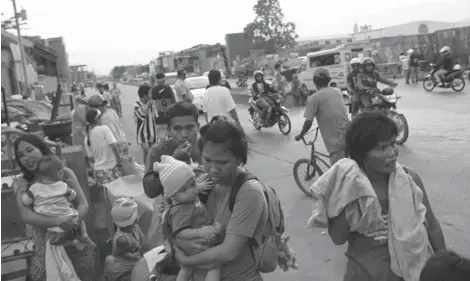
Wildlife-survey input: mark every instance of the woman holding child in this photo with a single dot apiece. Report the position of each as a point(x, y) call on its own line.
point(223, 149)
point(29, 151)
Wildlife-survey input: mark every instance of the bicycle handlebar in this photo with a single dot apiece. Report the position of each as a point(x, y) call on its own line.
point(314, 138)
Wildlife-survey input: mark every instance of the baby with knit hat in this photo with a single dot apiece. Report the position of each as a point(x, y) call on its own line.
point(127, 240)
point(186, 214)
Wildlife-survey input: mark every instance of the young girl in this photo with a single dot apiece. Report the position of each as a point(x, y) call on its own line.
point(127, 240)
point(51, 196)
point(186, 215)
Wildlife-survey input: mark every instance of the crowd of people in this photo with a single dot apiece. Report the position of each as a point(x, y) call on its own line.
point(215, 220)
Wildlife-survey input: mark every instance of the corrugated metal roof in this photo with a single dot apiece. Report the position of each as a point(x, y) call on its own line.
point(11, 38)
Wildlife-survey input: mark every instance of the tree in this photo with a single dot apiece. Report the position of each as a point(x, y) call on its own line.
point(118, 71)
point(268, 27)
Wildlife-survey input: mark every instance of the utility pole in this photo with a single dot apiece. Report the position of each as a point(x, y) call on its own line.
point(20, 43)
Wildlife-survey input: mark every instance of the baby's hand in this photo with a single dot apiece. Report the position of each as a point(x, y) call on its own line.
point(155, 166)
point(209, 232)
point(204, 183)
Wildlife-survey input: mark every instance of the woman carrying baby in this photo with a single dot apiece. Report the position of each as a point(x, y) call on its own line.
point(50, 196)
point(30, 151)
point(396, 242)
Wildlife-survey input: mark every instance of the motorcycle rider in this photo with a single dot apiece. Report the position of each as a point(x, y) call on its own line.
point(351, 84)
point(260, 91)
point(367, 81)
point(444, 65)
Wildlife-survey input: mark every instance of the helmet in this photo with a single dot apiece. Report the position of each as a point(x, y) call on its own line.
point(368, 61)
point(355, 61)
point(258, 72)
point(444, 50)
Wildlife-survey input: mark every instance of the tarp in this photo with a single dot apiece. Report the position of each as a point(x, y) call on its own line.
point(23, 110)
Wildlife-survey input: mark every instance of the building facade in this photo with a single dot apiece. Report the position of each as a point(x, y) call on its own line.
point(41, 62)
point(238, 47)
point(58, 45)
point(412, 28)
point(331, 40)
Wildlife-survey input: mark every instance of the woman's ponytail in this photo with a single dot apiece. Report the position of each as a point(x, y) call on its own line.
point(92, 117)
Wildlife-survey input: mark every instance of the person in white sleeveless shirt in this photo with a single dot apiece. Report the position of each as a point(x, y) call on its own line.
point(218, 100)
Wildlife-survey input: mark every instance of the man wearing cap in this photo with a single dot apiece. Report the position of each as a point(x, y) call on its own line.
point(327, 106)
point(162, 98)
point(110, 119)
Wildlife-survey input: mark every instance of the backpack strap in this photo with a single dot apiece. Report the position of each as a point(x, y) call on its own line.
point(242, 177)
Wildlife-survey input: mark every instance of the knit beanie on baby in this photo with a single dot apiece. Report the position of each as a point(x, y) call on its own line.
point(173, 174)
point(124, 212)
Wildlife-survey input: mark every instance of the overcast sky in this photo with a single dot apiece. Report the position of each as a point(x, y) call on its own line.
point(105, 33)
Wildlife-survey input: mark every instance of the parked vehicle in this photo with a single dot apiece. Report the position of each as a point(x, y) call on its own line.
point(453, 79)
point(386, 100)
point(335, 60)
point(278, 115)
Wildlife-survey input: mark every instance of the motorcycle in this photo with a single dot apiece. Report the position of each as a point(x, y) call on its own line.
point(242, 82)
point(386, 100)
point(453, 79)
point(276, 115)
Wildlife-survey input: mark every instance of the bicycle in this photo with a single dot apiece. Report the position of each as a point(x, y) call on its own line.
point(312, 168)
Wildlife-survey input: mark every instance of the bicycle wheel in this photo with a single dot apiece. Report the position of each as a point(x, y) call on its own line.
point(305, 176)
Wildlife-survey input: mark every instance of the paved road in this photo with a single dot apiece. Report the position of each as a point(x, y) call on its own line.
point(438, 149)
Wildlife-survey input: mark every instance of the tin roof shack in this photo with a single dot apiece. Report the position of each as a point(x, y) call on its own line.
point(201, 58)
point(165, 62)
point(41, 64)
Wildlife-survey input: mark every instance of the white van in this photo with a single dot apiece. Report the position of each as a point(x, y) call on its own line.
point(335, 60)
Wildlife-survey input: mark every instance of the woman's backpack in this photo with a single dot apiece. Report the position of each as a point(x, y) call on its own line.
point(266, 252)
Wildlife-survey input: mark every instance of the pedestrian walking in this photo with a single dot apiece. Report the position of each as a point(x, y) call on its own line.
point(279, 80)
point(414, 66)
point(110, 119)
point(182, 92)
point(143, 117)
point(218, 100)
point(162, 96)
point(106, 95)
point(405, 64)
